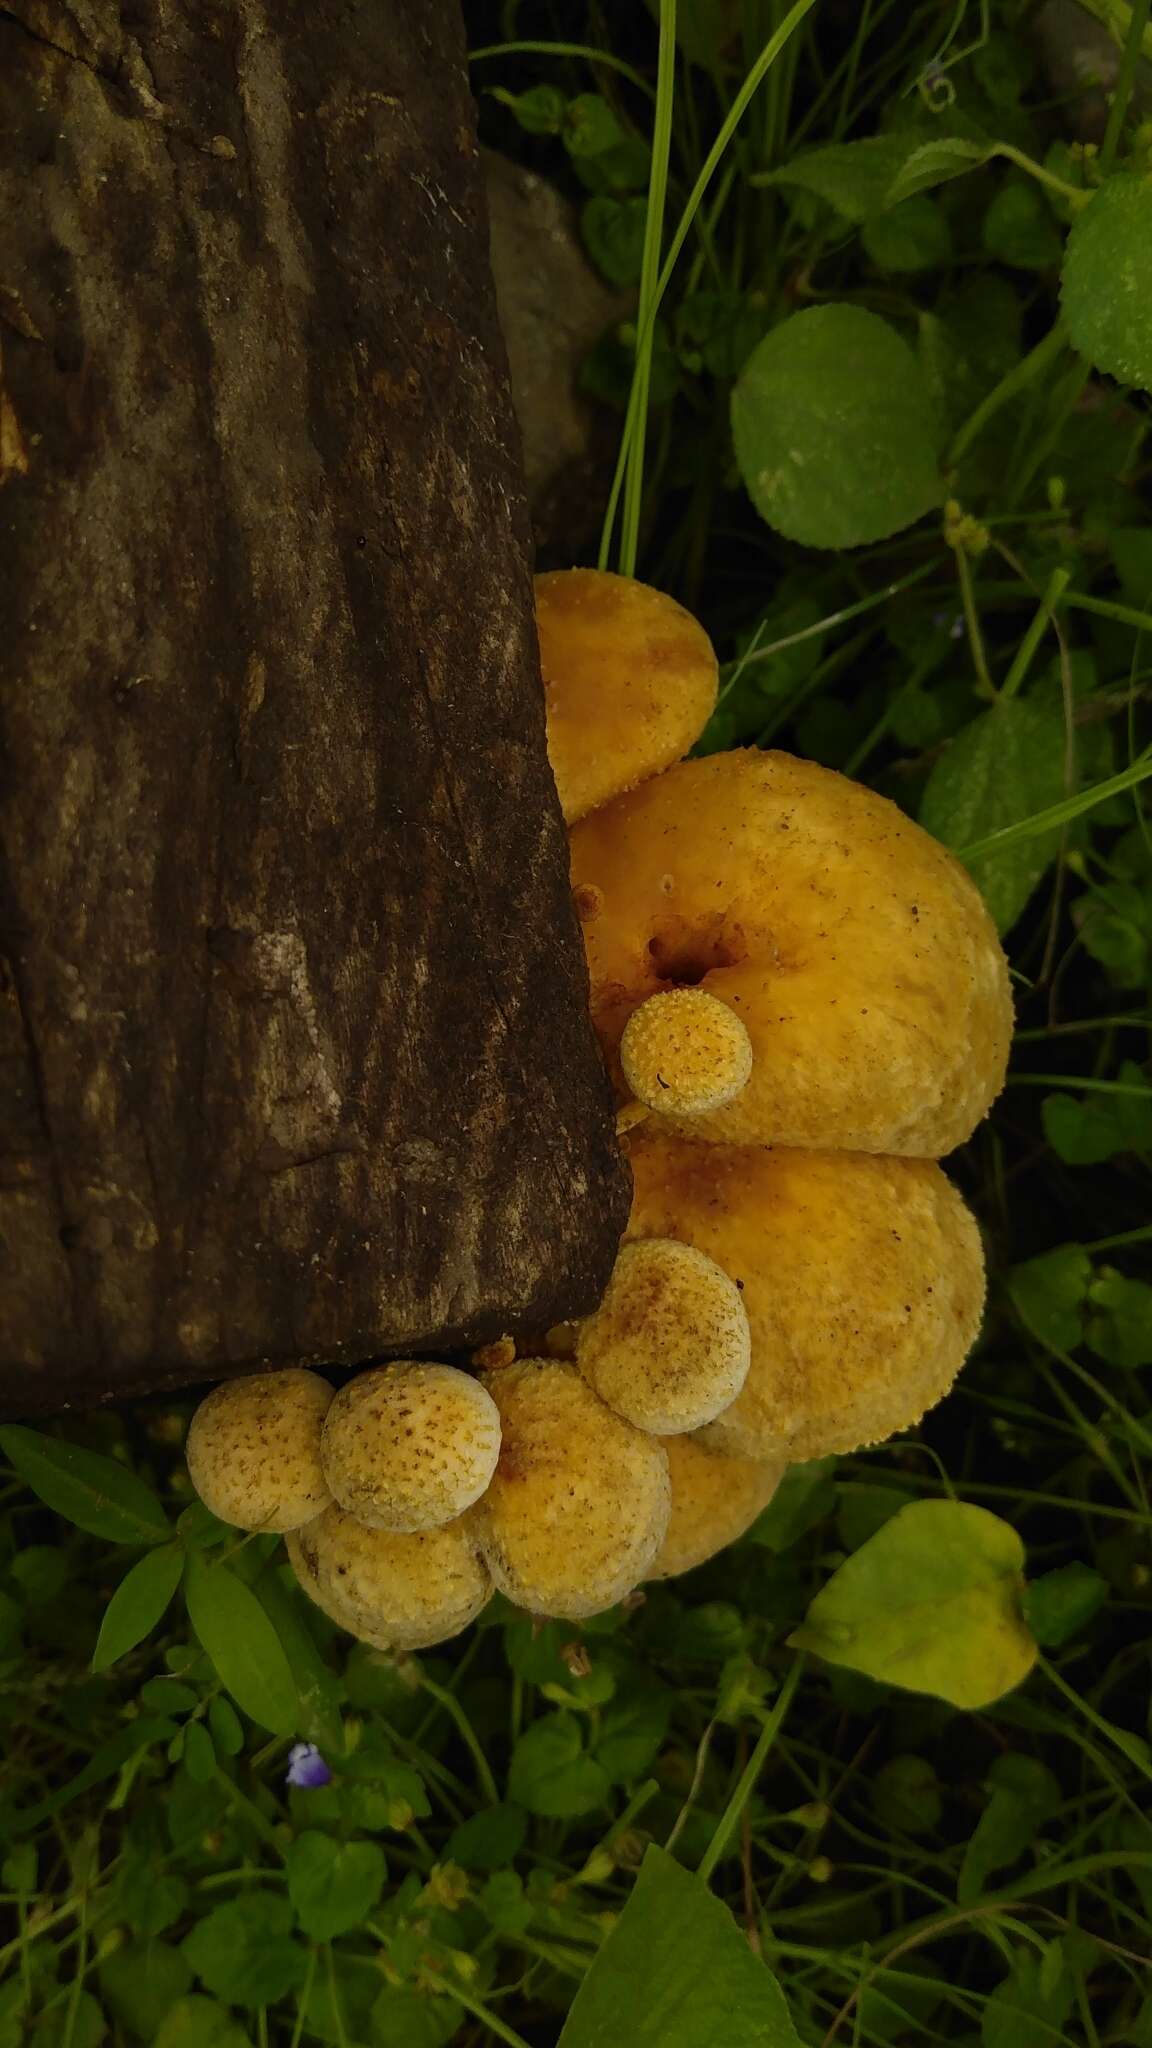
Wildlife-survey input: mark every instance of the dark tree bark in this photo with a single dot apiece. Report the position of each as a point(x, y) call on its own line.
point(294, 1056)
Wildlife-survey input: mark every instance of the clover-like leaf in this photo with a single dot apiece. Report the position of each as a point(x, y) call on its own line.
point(932, 1602)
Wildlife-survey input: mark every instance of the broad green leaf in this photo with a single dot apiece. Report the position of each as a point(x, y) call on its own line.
point(934, 163)
point(1057, 1605)
point(1022, 1795)
point(317, 1687)
point(1004, 766)
point(243, 1951)
point(1029, 2008)
point(227, 1734)
point(139, 1602)
point(676, 1972)
point(1049, 1294)
point(41, 1572)
point(1106, 285)
point(406, 2018)
point(245, 1650)
point(196, 2022)
point(834, 431)
point(503, 1903)
point(337, 2010)
point(1087, 1129)
point(148, 1898)
point(199, 1755)
point(488, 1840)
point(854, 177)
point(139, 1984)
point(717, 331)
point(1119, 1326)
point(631, 1732)
point(1115, 925)
point(98, 1495)
point(539, 111)
point(333, 1885)
point(906, 1796)
point(931, 1603)
point(86, 2025)
point(914, 236)
point(613, 231)
point(606, 156)
point(550, 1773)
point(1019, 229)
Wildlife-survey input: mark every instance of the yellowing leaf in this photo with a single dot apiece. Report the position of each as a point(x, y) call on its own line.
point(932, 1603)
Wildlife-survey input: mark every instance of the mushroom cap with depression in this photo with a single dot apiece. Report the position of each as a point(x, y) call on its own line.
point(579, 1503)
point(409, 1446)
point(253, 1449)
point(862, 1280)
point(853, 947)
point(629, 682)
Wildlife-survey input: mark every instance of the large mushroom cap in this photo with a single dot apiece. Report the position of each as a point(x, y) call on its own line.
point(579, 1504)
point(398, 1592)
point(862, 1280)
point(668, 1347)
point(629, 682)
point(253, 1450)
point(715, 1498)
point(855, 949)
point(409, 1446)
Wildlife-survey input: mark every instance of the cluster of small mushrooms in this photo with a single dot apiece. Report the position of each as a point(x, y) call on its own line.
point(803, 1005)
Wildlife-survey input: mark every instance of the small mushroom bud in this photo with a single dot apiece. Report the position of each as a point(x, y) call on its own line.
point(253, 1450)
point(684, 1052)
point(669, 1346)
point(409, 1447)
point(397, 1592)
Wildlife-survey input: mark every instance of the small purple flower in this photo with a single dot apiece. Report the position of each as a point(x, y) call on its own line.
point(307, 1767)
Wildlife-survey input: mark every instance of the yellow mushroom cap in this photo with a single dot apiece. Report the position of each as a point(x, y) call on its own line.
point(397, 1592)
point(863, 1283)
point(854, 948)
point(715, 1498)
point(629, 682)
point(253, 1450)
point(685, 1052)
point(668, 1347)
point(409, 1446)
point(579, 1504)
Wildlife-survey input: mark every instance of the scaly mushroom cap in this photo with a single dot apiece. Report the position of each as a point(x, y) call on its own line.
point(253, 1450)
point(856, 950)
point(397, 1592)
point(715, 1498)
point(684, 1053)
point(668, 1347)
point(409, 1446)
point(863, 1283)
point(579, 1504)
point(629, 682)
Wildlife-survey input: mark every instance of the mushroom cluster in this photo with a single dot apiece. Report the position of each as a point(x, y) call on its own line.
point(803, 1005)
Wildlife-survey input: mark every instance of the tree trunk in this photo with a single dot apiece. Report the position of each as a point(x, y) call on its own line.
point(294, 1056)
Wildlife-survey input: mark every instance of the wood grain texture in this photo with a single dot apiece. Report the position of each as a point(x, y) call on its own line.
point(294, 1054)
